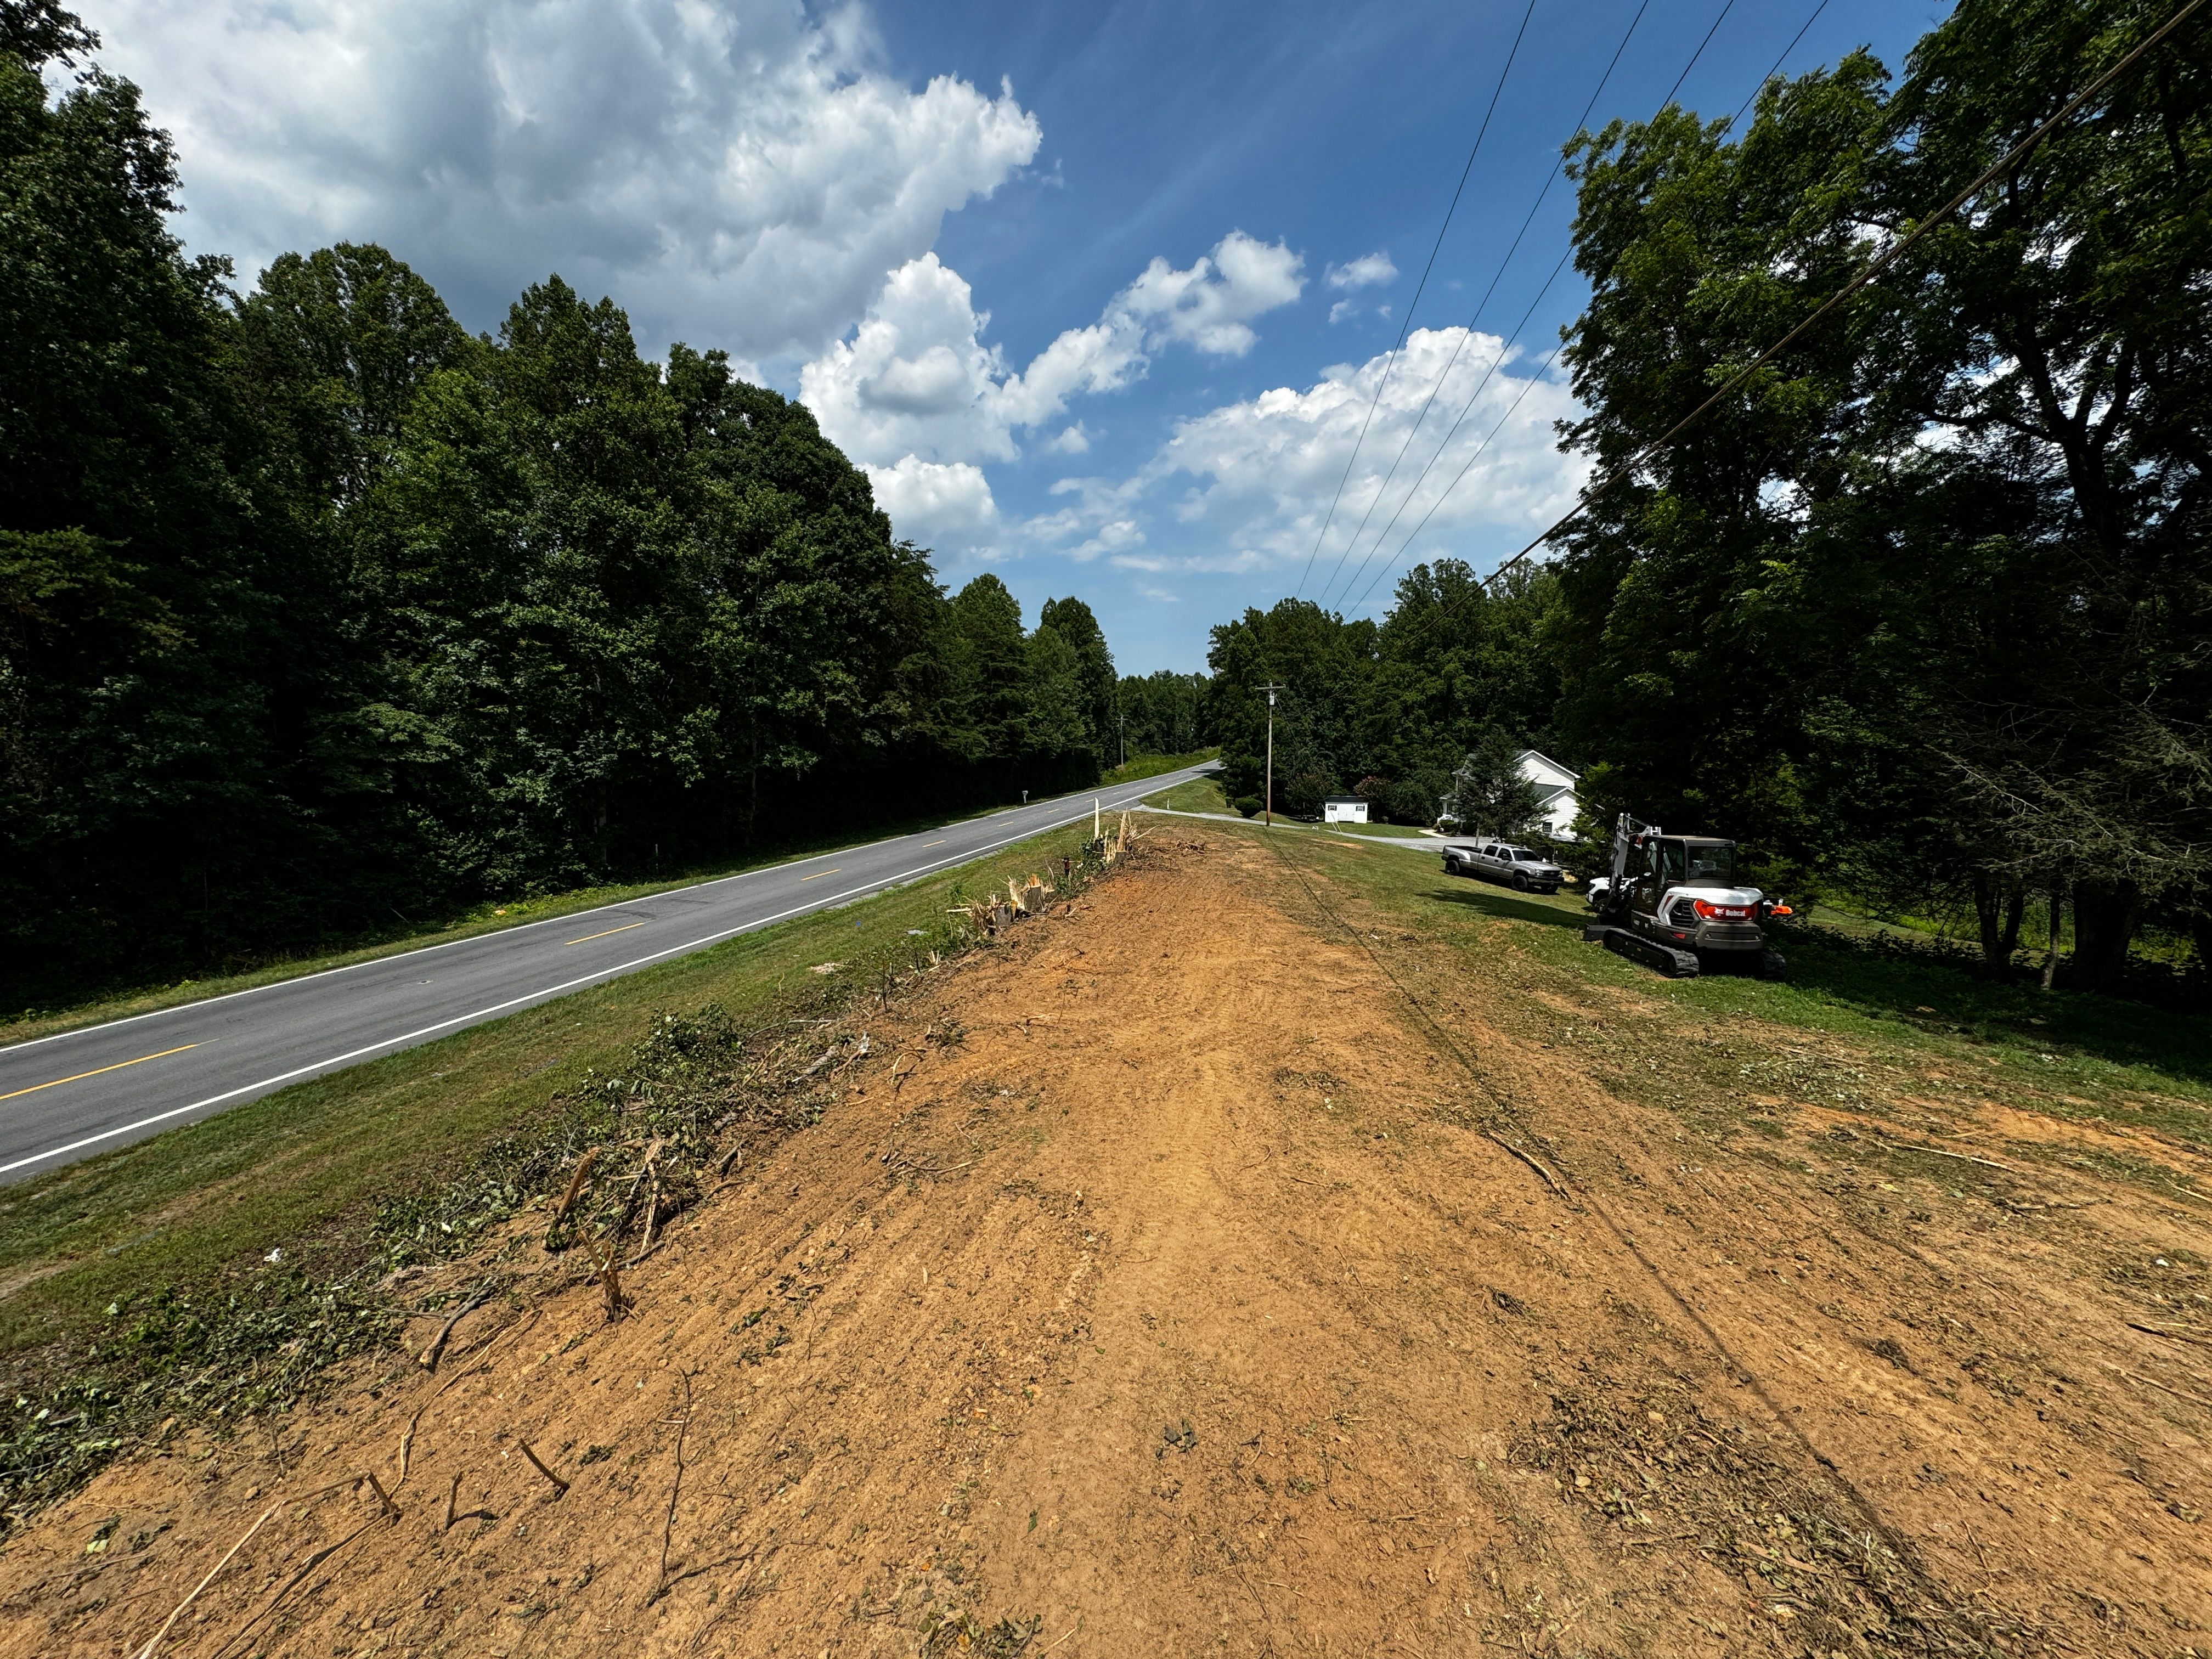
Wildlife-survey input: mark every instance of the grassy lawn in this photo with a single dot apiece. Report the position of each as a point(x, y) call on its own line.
point(304, 1170)
point(1139, 767)
point(1199, 795)
point(1206, 795)
point(1379, 831)
point(1924, 1027)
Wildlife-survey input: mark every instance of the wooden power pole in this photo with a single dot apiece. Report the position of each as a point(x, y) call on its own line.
point(1269, 801)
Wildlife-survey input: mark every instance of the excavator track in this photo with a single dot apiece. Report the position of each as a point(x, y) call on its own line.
point(1660, 958)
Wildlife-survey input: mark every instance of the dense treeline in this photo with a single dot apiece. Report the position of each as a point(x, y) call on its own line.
point(1162, 713)
point(1387, 709)
point(319, 613)
point(1928, 606)
point(1926, 611)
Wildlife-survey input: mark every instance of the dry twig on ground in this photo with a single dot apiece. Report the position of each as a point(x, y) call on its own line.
point(294, 1583)
point(1549, 1180)
point(2170, 1334)
point(560, 1486)
point(1937, 1151)
point(2153, 1383)
point(154, 1642)
point(611, 1284)
point(429, 1357)
point(675, 1487)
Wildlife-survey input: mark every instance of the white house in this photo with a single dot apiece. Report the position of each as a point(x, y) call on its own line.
point(1555, 791)
point(1344, 809)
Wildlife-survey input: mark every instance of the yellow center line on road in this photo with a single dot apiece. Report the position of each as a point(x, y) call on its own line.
point(624, 928)
point(933, 843)
point(818, 875)
point(97, 1070)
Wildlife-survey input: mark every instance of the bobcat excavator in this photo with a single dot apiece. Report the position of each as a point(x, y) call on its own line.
point(1673, 903)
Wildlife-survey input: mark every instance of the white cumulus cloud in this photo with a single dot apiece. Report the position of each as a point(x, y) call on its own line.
point(1365, 271)
point(1265, 469)
point(1211, 305)
point(740, 173)
point(915, 386)
point(931, 502)
point(914, 380)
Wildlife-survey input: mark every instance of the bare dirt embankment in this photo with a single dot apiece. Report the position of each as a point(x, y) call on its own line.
point(1163, 1284)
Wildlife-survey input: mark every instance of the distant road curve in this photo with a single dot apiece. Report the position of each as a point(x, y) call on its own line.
point(79, 1092)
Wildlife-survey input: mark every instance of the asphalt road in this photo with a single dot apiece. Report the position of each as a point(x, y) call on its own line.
point(82, 1092)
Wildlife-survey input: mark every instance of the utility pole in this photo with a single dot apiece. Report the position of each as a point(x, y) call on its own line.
point(1269, 801)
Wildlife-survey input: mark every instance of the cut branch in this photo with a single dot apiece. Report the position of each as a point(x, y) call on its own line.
point(560, 1486)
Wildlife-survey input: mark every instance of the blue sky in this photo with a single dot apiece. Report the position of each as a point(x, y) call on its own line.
point(1100, 295)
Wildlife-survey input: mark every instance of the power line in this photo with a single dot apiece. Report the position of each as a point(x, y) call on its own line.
point(1699, 53)
point(1527, 386)
point(2004, 164)
point(1414, 489)
point(1419, 289)
point(1414, 533)
point(1736, 118)
point(1498, 362)
point(1460, 344)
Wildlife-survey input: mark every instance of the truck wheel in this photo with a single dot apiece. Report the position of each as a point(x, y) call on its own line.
point(1520, 882)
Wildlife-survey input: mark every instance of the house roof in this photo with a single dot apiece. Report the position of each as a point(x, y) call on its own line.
point(1347, 801)
point(1540, 755)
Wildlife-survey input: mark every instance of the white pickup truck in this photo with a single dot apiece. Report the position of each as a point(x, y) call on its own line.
point(1518, 866)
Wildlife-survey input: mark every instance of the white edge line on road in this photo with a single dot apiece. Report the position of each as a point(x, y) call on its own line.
point(523, 927)
point(549, 992)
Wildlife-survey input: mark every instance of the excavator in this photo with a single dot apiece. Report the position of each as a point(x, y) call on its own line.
point(1673, 904)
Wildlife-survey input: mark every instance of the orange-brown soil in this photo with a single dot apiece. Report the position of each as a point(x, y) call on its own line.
point(1186, 1293)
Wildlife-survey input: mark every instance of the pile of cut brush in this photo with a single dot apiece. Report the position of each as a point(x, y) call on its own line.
point(697, 1096)
point(991, 915)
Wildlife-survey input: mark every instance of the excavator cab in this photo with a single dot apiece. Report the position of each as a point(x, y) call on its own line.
point(1674, 902)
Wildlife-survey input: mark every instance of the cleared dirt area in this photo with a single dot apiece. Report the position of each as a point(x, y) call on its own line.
point(1212, 1269)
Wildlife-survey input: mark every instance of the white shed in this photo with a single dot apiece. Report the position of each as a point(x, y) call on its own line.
point(1344, 809)
point(1555, 790)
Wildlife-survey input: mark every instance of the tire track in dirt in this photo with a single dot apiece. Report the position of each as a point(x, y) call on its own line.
point(2071, 1570)
point(1948, 1626)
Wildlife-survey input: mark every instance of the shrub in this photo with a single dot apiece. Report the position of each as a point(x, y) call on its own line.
point(1304, 795)
point(1417, 800)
